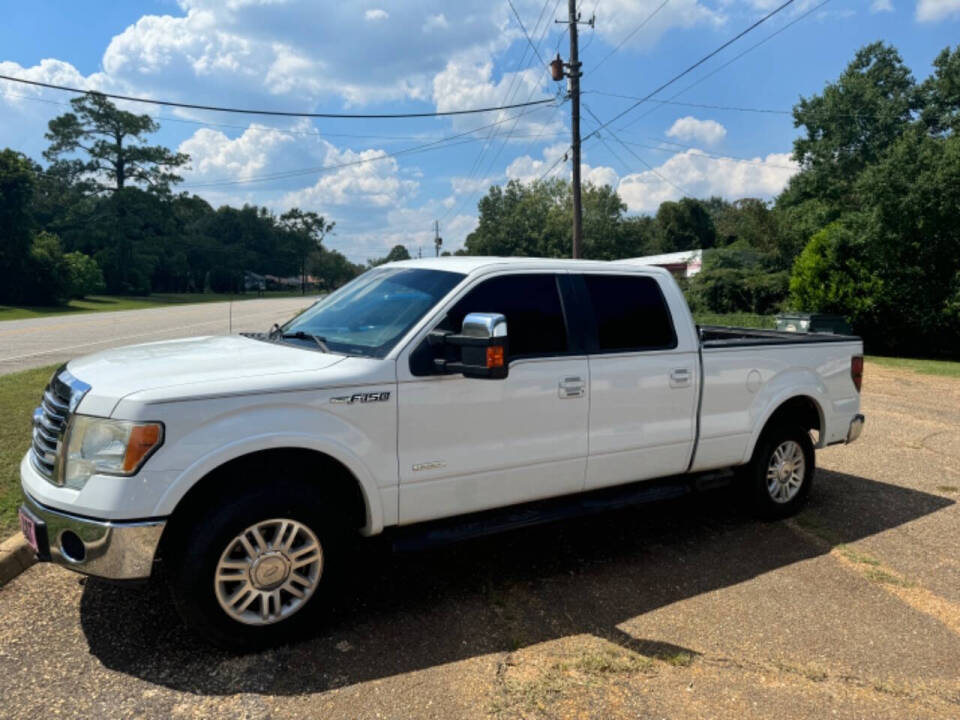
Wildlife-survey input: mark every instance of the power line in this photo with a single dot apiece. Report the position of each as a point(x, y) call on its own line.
point(476, 168)
point(443, 142)
point(629, 35)
point(526, 34)
point(593, 35)
point(553, 167)
point(284, 131)
point(697, 64)
point(703, 153)
point(508, 95)
point(734, 58)
point(645, 163)
point(277, 113)
point(692, 105)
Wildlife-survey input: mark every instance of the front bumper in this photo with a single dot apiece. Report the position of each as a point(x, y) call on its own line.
point(109, 549)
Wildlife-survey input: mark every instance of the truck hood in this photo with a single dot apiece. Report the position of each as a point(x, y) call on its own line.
point(114, 374)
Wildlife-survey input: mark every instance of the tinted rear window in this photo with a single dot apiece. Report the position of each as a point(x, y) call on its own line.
point(630, 312)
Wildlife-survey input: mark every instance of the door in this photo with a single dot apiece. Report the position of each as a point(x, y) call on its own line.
point(468, 444)
point(642, 382)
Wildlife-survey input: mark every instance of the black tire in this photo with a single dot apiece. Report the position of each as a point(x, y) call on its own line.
point(194, 552)
point(760, 495)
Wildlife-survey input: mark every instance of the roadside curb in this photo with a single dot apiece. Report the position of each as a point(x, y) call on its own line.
point(15, 557)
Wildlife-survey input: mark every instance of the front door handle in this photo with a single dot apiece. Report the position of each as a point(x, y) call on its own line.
point(572, 387)
point(680, 377)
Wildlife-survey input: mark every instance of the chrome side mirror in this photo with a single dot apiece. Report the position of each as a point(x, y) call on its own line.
point(484, 325)
point(483, 347)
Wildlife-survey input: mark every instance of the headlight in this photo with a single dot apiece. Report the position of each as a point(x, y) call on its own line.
point(114, 447)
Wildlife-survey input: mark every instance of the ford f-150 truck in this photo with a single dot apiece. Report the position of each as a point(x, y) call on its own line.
point(422, 390)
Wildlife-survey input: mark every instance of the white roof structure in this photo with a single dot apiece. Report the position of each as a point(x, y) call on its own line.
point(689, 261)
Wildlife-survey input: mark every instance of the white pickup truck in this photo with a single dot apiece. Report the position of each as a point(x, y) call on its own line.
point(422, 390)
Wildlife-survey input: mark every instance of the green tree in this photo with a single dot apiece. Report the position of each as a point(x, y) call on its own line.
point(940, 94)
point(17, 182)
point(397, 253)
point(684, 225)
point(830, 275)
point(84, 276)
point(46, 282)
point(306, 231)
point(892, 266)
point(333, 269)
point(112, 145)
point(850, 124)
point(535, 220)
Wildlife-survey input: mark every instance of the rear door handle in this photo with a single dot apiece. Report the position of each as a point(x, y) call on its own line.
point(572, 387)
point(680, 377)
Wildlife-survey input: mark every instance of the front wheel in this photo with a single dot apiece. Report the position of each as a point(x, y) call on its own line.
point(252, 572)
point(780, 474)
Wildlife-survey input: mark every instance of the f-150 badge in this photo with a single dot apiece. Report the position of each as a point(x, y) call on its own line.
point(361, 398)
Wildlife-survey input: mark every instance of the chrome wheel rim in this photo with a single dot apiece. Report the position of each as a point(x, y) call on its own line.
point(268, 572)
point(785, 471)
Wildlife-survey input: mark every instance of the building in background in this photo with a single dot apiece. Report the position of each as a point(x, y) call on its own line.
point(682, 264)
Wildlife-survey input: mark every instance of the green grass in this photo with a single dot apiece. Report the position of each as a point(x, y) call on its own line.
point(107, 303)
point(19, 395)
point(946, 368)
point(747, 320)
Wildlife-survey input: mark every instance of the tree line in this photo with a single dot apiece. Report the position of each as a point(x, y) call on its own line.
point(869, 228)
point(103, 217)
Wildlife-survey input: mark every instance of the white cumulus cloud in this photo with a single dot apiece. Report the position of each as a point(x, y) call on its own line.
point(617, 18)
point(709, 132)
point(464, 83)
point(527, 169)
point(705, 176)
point(934, 10)
point(462, 185)
point(879, 6)
point(376, 14)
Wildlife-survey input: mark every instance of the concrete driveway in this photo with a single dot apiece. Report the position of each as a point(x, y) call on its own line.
point(689, 609)
point(35, 342)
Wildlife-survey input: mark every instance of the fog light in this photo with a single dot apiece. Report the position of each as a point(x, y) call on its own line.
point(72, 547)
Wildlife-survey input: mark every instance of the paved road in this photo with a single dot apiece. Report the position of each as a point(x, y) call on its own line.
point(690, 609)
point(36, 342)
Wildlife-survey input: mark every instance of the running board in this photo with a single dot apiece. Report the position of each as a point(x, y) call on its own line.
point(491, 522)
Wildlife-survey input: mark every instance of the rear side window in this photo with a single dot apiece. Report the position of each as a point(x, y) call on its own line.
point(630, 313)
point(531, 304)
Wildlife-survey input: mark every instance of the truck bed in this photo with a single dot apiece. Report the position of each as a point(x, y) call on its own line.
point(720, 336)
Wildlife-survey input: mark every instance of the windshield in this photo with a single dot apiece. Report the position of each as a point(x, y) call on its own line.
point(369, 315)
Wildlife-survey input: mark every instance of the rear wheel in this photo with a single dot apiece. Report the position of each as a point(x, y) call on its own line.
point(780, 474)
point(253, 572)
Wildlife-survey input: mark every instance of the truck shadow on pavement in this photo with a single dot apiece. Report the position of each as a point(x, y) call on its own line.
point(405, 612)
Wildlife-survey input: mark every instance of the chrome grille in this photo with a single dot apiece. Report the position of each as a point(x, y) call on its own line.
point(60, 399)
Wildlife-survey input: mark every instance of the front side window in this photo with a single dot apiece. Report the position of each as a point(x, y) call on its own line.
point(630, 313)
point(370, 314)
point(531, 304)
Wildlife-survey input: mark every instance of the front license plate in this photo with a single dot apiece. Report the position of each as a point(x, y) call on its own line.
point(29, 529)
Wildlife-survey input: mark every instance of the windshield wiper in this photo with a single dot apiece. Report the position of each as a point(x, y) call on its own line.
point(301, 335)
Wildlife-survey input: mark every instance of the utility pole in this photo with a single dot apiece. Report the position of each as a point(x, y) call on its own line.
point(437, 240)
point(574, 75)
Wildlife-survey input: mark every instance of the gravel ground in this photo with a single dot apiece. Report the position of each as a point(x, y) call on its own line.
point(35, 342)
point(689, 609)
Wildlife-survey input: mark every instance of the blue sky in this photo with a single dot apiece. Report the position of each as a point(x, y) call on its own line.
point(425, 55)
